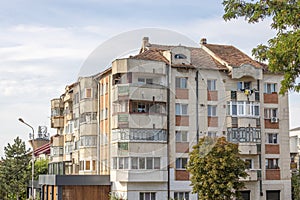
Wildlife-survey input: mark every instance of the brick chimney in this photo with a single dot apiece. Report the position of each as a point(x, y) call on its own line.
point(203, 41)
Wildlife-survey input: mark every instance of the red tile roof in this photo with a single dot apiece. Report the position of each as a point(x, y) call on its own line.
point(231, 55)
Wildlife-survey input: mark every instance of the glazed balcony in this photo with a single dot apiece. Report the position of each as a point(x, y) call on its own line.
point(57, 122)
point(138, 120)
point(145, 92)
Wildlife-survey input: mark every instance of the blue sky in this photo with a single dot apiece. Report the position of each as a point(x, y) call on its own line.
point(43, 44)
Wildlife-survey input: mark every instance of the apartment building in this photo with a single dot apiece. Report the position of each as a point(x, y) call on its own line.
point(137, 121)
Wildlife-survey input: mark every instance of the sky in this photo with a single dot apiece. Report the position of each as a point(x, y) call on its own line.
point(44, 43)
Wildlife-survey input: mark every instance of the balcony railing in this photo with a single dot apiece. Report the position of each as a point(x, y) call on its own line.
point(244, 135)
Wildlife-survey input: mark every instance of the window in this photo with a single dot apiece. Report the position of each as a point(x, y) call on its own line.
point(149, 163)
point(104, 114)
point(181, 136)
point(147, 196)
point(180, 56)
point(243, 85)
point(56, 151)
point(87, 165)
point(181, 195)
point(211, 84)
point(140, 134)
point(145, 80)
point(272, 138)
point(270, 88)
point(272, 163)
point(181, 83)
point(249, 163)
point(181, 109)
point(270, 112)
point(212, 134)
point(68, 147)
point(273, 194)
point(123, 162)
point(88, 93)
point(211, 110)
point(181, 163)
point(123, 146)
point(245, 195)
point(88, 117)
point(88, 140)
point(243, 108)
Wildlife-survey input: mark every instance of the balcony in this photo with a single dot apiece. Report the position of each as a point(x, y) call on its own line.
point(57, 103)
point(139, 175)
point(253, 175)
point(244, 135)
point(138, 120)
point(249, 148)
point(271, 98)
point(57, 122)
point(241, 96)
point(272, 174)
point(145, 92)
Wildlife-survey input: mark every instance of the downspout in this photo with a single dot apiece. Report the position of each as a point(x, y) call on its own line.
point(168, 120)
point(197, 106)
point(98, 127)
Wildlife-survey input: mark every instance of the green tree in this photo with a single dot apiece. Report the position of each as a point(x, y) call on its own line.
point(40, 167)
point(14, 171)
point(296, 185)
point(282, 51)
point(216, 169)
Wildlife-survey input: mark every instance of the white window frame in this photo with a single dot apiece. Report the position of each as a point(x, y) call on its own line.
point(181, 82)
point(181, 136)
point(180, 162)
point(181, 109)
point(243, 109)
point(269, 88)
point(274, 161)
point(144, 196)
point(211, 110)
point(270, 113)
point(272, 138)
point(211, 84)
point(181, 195)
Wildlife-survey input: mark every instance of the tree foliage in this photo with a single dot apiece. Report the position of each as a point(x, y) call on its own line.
point(14, 170)
point(283, 51)
point(40, 167)
point(216, 169)
point(296, 185)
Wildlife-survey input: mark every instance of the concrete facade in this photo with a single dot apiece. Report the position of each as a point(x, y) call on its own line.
point(138, 120)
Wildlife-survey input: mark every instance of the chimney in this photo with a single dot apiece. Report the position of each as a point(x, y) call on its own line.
point(145, 42)
point(203, 41)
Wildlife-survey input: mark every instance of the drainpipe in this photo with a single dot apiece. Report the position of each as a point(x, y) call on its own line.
point(197, 105)
point(168, 70)
point(98, 128)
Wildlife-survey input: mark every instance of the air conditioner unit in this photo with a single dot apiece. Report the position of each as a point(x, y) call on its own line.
point(274, 120)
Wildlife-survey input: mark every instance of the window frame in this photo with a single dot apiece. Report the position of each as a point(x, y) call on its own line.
point(180, 109)
point(211, 110)
point(179, 163)
point(181, 82)
point(211, 84)
point(270, 88)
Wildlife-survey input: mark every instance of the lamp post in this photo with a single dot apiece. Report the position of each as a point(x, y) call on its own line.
point(33, 158)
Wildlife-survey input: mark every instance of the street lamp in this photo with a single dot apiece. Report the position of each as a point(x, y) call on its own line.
point(33, 158)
